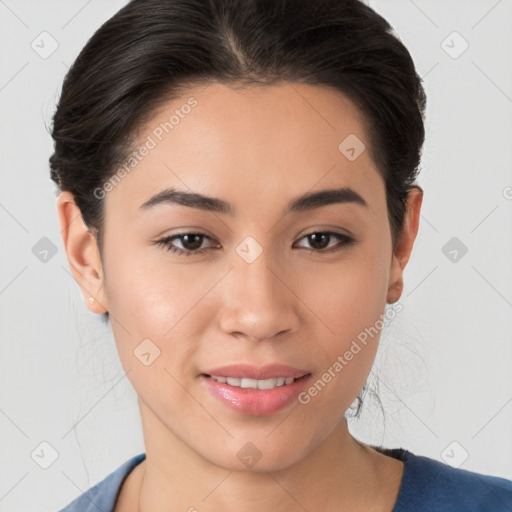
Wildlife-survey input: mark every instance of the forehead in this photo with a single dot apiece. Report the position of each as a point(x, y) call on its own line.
point(248, 145)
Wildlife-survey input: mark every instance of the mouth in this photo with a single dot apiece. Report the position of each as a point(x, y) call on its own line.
point(255, 397)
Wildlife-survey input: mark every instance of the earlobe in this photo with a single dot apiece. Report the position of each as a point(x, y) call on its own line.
point(82, 253)
point(404, 243)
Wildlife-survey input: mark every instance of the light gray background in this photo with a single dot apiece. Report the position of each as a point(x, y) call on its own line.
point(444, 367)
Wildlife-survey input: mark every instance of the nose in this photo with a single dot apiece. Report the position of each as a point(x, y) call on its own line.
point(258, 302)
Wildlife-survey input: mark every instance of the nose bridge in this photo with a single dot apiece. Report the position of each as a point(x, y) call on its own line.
point(258, 279)
point(257, 301)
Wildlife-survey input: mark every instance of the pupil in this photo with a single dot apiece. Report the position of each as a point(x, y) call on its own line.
point(314, 240)
point(186, 240)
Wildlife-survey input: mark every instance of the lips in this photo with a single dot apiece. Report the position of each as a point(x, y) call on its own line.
point(270, 371)
point(255, 402)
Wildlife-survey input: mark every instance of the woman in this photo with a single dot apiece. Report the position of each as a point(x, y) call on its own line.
point(237, 194)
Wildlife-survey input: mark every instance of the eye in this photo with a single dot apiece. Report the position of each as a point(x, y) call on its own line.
point(192, 242)
point(320, 240)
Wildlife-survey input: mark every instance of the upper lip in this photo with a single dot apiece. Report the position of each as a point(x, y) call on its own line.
point(250, 371)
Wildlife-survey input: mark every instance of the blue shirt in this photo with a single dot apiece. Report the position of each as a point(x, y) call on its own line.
point(427, 486)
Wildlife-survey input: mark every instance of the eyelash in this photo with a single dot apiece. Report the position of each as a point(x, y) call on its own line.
point(167, 243)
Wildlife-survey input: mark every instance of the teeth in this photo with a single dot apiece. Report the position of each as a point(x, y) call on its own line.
point(245, 382)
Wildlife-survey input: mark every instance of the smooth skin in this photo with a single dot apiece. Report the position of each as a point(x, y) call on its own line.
point(257, 148)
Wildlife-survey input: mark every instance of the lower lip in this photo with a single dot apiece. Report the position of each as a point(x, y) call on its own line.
point(256, 402)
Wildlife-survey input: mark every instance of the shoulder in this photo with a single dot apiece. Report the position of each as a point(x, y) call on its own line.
point(103, 495)
point(428, 484)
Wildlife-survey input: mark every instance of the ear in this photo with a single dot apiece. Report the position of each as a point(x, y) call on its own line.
point(82, 252)
point(404, 244)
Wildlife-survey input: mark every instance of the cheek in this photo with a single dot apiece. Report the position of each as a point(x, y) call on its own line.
point(146, 293)
point(161, 303)
point(349, 301)
point(347, 297)
point(154, 326)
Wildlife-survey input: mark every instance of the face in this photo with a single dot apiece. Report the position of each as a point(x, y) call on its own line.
point(261, 283)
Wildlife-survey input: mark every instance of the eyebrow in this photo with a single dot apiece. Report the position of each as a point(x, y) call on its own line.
point(307, 201)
